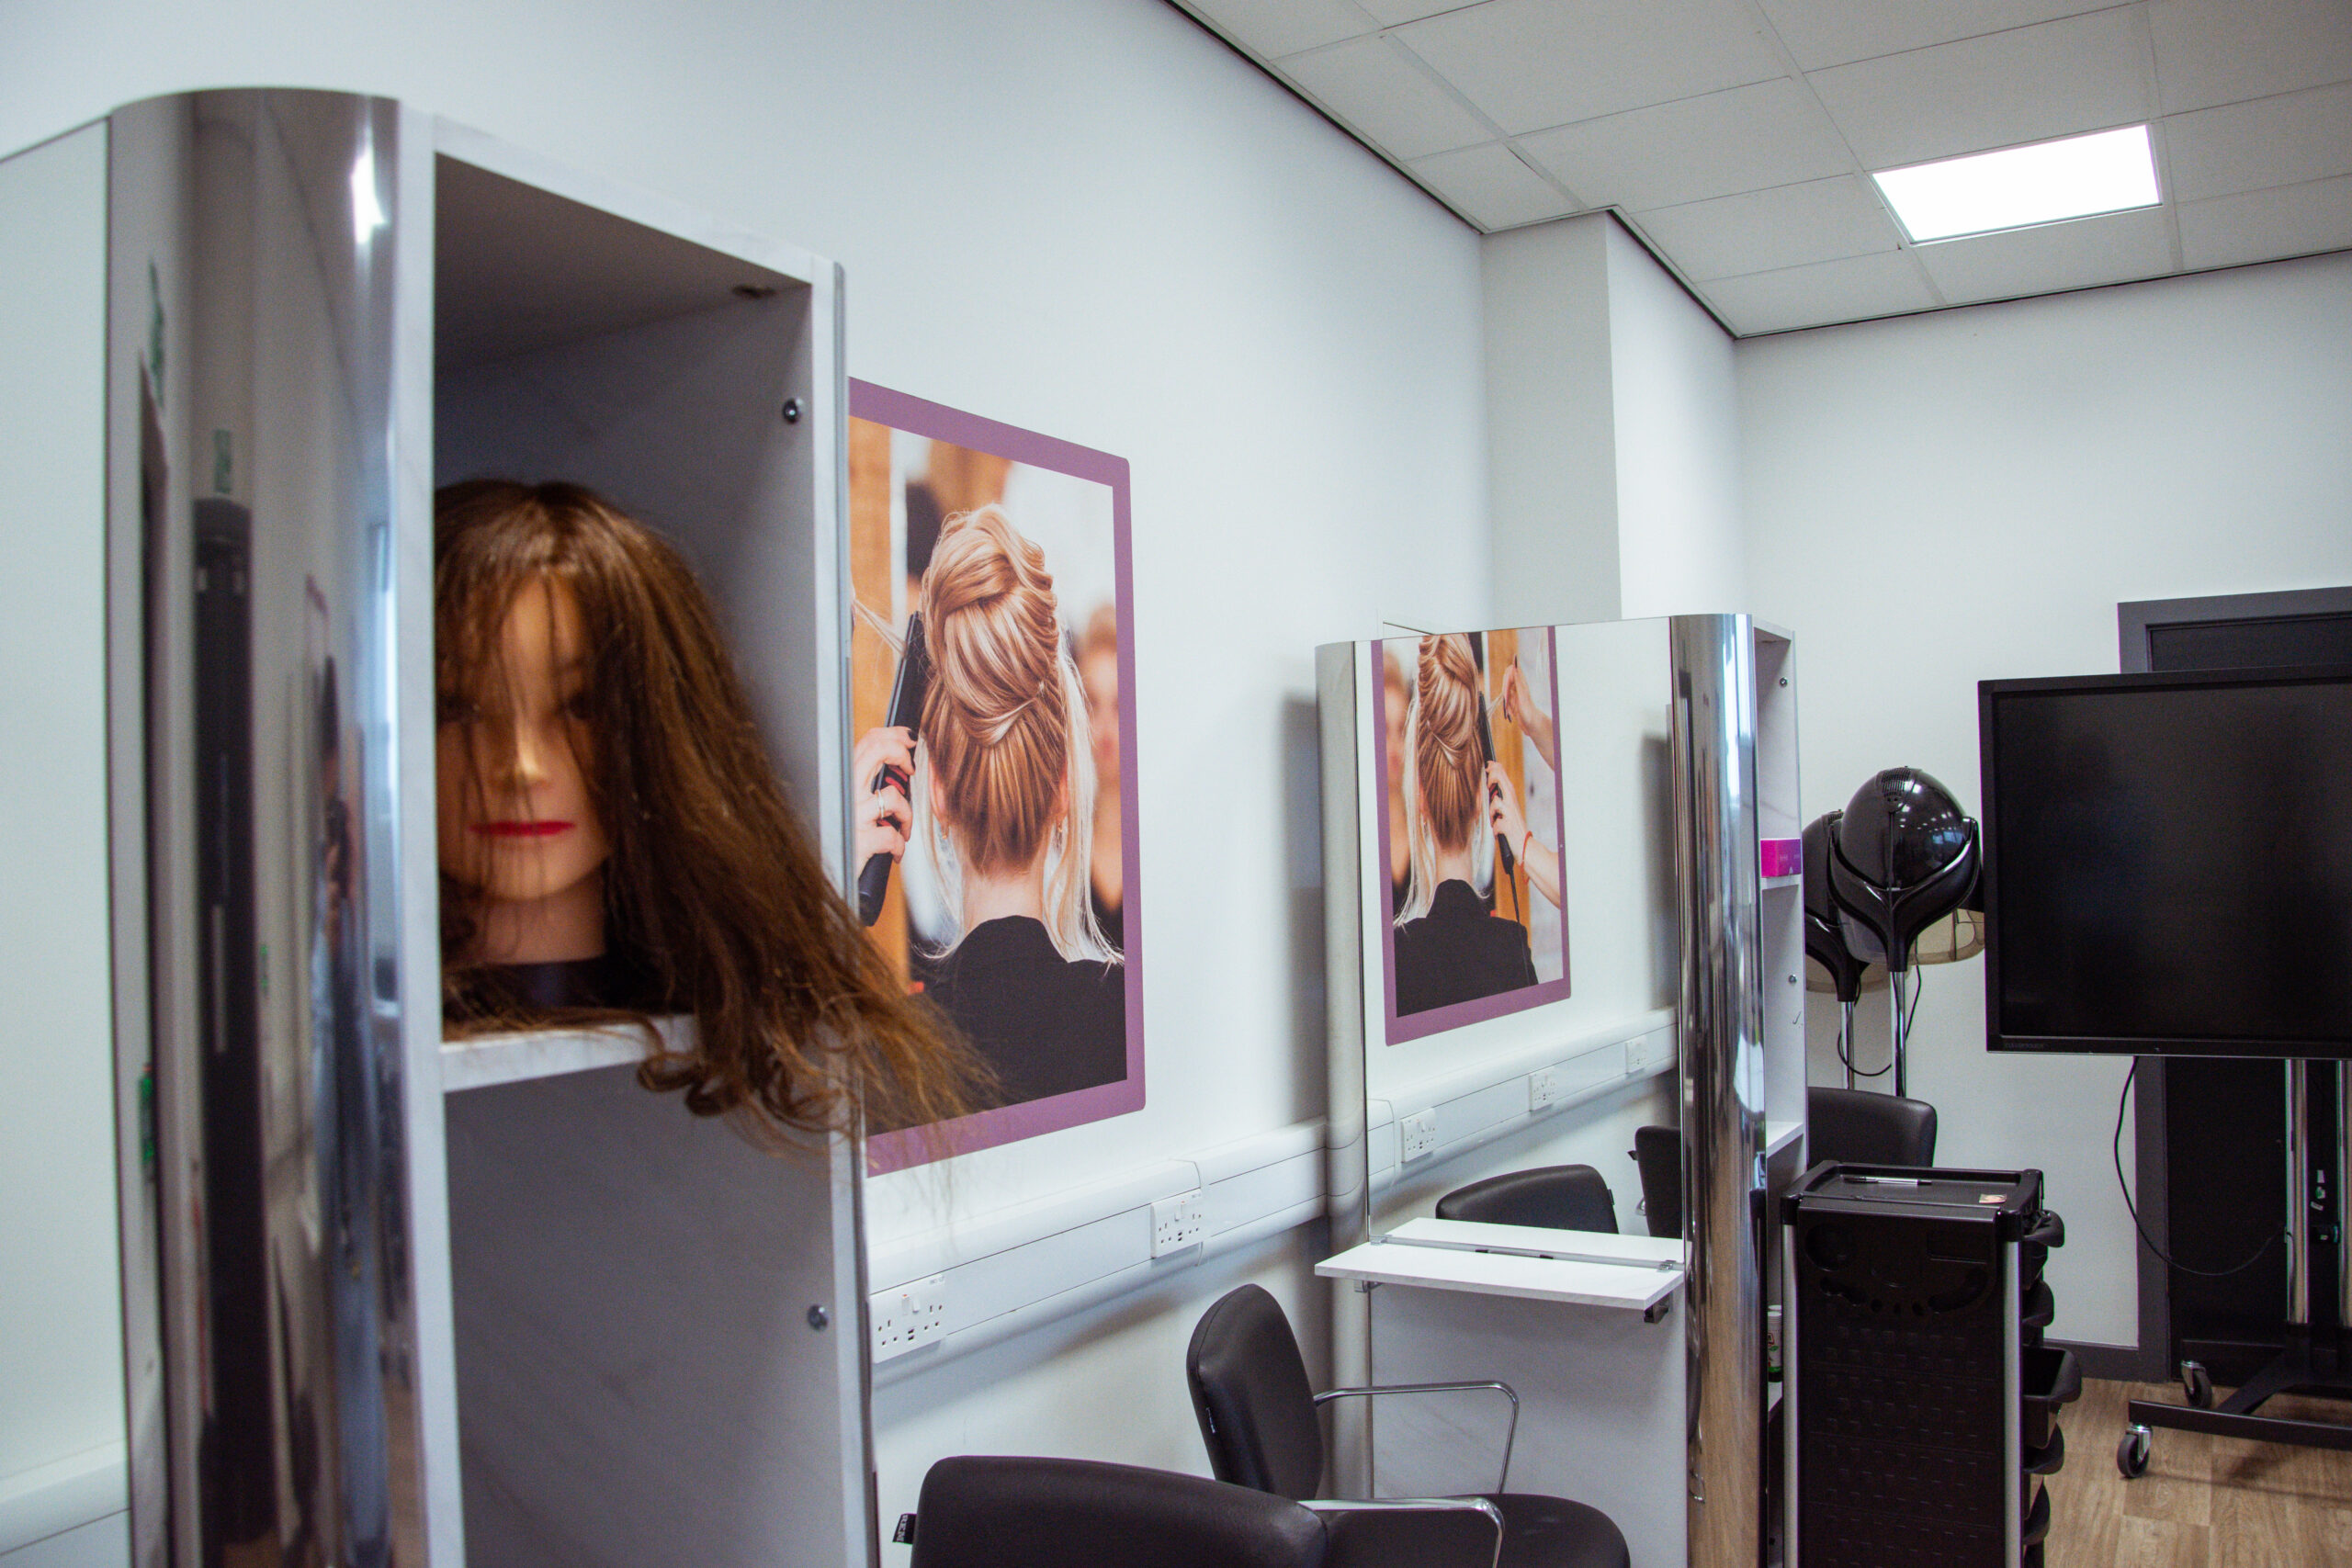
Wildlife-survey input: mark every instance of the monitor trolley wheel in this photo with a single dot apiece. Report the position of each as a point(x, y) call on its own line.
point(2132, 1453)
point(2197, 1385)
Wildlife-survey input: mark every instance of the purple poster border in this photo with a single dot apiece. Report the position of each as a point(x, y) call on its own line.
point(1436, 1021)
point(921, 1145)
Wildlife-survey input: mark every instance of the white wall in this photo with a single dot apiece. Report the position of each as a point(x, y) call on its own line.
point(1613, 431)
point(1965, 496)
point(1681, 545)
point(61, 1370)
point(1551, 424)
point(1089, 217)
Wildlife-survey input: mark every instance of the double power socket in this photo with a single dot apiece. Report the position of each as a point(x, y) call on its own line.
point(907, 1317)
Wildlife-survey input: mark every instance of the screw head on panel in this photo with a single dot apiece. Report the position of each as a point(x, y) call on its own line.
point(791, 411)
point(819, 1318)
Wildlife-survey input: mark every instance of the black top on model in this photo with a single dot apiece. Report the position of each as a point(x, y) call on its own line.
point(1458, 953)
point(2168, 864)
point(1046, 1025)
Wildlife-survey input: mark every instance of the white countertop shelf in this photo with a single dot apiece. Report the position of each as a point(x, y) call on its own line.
point(1780, 1134)
point(1579, 1268)
point(481, 1060)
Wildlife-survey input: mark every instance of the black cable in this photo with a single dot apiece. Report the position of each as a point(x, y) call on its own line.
point(1847, 1059)
point(2121, 1101)
point(1845, 1055)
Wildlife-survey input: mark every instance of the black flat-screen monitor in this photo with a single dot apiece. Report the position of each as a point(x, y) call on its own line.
point(2168, 864)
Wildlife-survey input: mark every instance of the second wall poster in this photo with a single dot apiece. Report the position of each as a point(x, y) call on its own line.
point(992, 804)
point(1470, 828)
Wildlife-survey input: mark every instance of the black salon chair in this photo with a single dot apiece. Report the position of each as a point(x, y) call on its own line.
point(1657, 1154)
point(1848, 1124)
point(1561, 1197)
point(1858, 1127)
point(991, 1512)
point(1257, 1417)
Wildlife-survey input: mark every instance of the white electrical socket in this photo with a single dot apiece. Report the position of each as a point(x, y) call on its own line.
point(911, 1315)
point(1416, 1135)
point(1177, 1223)
point(1637, 1053)
point(1542, 1088)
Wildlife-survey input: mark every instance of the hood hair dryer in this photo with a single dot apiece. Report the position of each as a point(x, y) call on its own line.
point(1902, 856)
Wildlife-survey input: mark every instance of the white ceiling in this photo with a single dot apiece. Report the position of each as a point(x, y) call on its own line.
point(1736, 136)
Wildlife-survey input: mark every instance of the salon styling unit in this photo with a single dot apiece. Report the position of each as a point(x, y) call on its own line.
point(1925, 1404)
point(388, 1300)
point(1640, 1364)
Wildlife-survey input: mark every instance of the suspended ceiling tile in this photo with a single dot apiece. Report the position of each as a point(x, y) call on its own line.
point(1851, 288)
point(1531, 64)
point(1392, 12)
point(1771, 133)
point(2215, 51)
point(1761, 230)
point(2116, 248)
point(1833, 32)
point(1272, 29)
point(2288, 139)
point(1378, 93)
point(1493, 189)
point(2265, 225)
point(2083, 73)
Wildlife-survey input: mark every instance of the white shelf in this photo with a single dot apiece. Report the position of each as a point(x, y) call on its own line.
point(1538, 1241)
point(1794, 879)
point(1628, 1286)
point(482, 1060)
point(1780, 1134)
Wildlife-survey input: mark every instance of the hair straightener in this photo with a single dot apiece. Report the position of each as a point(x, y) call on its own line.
point(1505, 861)
point(905, 712)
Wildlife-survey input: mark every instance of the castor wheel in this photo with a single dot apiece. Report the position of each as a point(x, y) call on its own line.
point(2132, 1453)
point(2197, 1385)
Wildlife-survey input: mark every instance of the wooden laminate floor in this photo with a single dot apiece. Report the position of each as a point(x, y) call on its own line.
point(2205, 1501)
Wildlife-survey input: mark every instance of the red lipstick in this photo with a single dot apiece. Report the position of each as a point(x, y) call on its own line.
point(522, 830)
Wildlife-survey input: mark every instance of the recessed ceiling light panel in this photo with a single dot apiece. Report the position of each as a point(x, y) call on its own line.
point(2107, 170)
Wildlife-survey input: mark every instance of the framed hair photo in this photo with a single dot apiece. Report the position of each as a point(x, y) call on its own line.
point(1471, 824)
point(992, 789)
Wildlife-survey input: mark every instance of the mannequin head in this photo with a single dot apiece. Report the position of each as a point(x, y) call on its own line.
point(1007, 764)
point(1441, 785)
point(519, 827)
point(603, 786)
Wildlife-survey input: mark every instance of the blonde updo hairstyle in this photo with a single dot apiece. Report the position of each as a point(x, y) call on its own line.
point(1004, 759)
point(1445, 769)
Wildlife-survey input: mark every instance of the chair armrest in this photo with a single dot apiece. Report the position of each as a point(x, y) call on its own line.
point(1510, 1433)
point(1443, 1532)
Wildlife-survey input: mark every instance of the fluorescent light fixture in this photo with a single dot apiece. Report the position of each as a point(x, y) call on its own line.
point(2107, 170)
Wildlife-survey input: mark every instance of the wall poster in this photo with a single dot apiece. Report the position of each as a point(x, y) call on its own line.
point(992, 774)
point(1468, 773)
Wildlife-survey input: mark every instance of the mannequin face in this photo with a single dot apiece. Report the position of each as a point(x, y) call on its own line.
point(514, 816)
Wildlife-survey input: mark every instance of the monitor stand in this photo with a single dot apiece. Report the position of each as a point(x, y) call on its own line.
point(2317, 1357)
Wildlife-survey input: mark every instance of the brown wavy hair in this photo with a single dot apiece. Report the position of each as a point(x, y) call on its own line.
point(716, 897)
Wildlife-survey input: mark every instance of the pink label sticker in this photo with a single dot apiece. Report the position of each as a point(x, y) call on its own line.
point(1784, 857)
